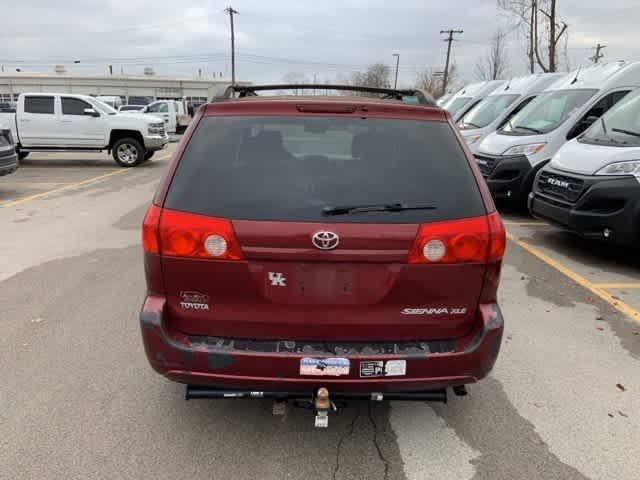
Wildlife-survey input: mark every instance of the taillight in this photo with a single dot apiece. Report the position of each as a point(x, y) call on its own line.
point(150, 229)
point(197, 236)
point(456, 241)
point(498, 237)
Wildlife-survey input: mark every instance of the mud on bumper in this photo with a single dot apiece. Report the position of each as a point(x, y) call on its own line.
point(274, 364)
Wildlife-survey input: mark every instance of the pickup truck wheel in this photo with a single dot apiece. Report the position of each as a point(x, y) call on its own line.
point(148, 155)
point(22, 155)
point(127, 152)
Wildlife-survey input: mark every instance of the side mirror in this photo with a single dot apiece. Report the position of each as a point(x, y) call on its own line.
point(590, 119)
point(91, 112)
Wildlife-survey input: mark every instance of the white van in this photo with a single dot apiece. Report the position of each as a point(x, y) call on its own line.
point(113, 101)
point(592, 185)
point(510, 158)
point(500, 105)
point(466, 98)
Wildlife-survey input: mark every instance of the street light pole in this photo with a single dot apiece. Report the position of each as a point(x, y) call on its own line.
point(397, 55)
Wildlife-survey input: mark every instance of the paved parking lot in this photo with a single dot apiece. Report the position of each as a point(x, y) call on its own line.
point(78, 399)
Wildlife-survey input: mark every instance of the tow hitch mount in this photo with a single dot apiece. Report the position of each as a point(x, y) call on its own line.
point(322, 405)
point(322, 402)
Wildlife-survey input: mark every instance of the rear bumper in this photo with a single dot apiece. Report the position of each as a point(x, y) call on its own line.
point(8, 161)
point(606, 203)
point(267, 365)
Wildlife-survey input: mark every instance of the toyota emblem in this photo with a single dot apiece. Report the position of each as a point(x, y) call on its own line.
point(325, 240)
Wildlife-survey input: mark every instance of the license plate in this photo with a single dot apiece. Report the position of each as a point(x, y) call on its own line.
point(324, 367)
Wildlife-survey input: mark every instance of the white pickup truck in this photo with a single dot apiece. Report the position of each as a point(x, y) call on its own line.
point(68, 122)
point(173, 113)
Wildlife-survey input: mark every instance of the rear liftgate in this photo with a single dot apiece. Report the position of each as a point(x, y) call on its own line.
point(322, 402)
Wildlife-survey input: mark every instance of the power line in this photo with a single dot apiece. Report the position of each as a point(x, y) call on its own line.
point(449, 41)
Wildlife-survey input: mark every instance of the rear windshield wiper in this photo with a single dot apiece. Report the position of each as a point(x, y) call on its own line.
point(389, 207)
point(530, 129)
point(626, 132)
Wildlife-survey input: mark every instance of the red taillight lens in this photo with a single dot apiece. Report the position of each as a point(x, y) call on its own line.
point(197, 236)
point(455, 241)
point(150, 229)
point(498, 237)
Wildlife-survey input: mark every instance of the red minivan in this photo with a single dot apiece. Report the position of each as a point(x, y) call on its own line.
point(341, 244)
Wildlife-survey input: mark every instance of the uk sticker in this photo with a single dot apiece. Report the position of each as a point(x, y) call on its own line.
point(378, 368)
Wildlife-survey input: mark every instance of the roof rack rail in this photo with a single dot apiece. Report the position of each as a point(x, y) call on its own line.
point(422, 97)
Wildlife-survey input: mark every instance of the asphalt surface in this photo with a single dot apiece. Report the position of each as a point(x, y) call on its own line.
point(78, 399)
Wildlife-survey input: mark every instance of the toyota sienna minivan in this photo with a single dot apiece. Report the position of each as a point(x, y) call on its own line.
point(322, 247)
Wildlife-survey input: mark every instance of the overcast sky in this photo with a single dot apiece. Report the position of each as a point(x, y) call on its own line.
point(325, 38)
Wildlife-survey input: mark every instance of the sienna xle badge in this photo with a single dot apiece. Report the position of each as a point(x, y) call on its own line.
point(320, 248)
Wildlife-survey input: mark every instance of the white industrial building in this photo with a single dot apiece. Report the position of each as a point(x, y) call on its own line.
point(197, 90)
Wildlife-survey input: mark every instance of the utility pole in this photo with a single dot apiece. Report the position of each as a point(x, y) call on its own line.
point(597, 56)
point(231, 11)
point(449, 41)
point(397, 55)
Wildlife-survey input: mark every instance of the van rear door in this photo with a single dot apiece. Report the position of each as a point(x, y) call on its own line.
point(313, 265)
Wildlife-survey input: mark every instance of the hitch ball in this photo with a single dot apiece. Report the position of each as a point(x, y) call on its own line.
point(322, 399)
point(322, 405)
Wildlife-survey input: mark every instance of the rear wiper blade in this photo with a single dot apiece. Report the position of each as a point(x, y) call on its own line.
point(626, 132)
point(388, 207)
point(530, 129)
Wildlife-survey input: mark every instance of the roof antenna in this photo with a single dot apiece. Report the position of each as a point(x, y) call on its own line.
point(577, 73)
point(508, 85)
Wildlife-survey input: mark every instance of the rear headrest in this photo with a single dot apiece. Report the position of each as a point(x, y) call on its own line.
point(363, 143)
point(269, 140)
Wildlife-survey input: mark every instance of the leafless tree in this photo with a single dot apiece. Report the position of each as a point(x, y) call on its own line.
point(544, 30)
point(296, 78)
point(430, 80)
point(377, 75)
point(493, 65)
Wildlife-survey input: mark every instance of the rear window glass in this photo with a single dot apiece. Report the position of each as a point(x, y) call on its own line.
point(290, 168)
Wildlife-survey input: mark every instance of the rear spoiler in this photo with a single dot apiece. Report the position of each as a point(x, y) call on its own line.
point(423, 98)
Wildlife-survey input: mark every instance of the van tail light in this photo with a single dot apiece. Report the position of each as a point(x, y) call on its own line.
point(197, 236)
point(150, 229)
point(498, 237)
point(475, 239)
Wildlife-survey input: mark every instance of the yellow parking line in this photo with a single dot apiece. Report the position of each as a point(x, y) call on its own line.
point(60, 189)
point(88, 181)
point(579, 279)
point(617, 285)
